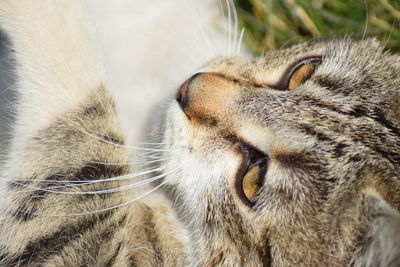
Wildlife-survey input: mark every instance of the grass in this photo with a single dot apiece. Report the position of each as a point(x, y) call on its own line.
point(271, 24)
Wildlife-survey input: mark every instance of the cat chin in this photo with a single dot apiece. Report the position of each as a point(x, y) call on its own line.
point(196, 169)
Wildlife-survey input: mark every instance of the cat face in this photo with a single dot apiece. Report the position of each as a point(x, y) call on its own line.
point(269, 157)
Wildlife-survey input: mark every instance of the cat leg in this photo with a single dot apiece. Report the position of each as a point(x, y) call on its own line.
point(68, 167)
point(381, 238)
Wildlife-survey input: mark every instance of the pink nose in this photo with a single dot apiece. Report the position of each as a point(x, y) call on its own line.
point(182, 96)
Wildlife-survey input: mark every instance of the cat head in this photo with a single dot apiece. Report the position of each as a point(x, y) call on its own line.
point(274, 160)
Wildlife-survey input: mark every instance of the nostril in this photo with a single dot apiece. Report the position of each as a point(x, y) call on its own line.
point(182, 96)
point(182, 93)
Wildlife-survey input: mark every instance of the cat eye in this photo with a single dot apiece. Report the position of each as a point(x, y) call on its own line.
point(253, 180)
point(301, 72)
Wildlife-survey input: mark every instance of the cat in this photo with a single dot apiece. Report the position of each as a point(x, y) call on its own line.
point(290, 159)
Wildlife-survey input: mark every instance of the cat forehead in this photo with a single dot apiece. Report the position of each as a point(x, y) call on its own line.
point(269, 67)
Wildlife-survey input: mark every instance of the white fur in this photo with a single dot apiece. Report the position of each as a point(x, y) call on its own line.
point(51, 79)
point(151, 47)
point(58, 66)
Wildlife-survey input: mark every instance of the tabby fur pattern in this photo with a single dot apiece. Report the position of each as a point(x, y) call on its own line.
point(330, 195)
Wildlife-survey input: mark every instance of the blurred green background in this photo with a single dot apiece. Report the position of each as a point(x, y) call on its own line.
point(274, 23)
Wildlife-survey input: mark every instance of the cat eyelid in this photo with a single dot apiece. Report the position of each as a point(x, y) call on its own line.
point(291, 70)
point(251, 174)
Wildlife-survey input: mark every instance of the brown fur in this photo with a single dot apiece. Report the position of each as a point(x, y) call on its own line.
point(333, 147)
point(330, 196)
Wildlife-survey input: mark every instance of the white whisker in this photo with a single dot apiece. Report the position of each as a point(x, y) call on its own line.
point(113, 207)
point(201, 26)
point(366, 20)
point(229, 26)
point(221, 8)
point(141, 163)
point(116, 178)
point(99, 192)
point(149, 143)
point(114, 144)
point(390, 34)
point(240, 41)
point(235, 23)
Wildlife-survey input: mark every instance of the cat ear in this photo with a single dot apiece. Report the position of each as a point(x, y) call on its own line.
point(381, 241)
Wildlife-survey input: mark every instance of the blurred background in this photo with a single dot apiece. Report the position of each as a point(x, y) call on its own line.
point(269, 24)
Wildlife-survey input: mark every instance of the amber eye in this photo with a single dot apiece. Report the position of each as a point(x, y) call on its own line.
point(301, 72)
point(253, 180)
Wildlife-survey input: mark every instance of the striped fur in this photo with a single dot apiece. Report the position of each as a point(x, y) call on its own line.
point(66, 138)
point(330, 196)
point(331, 193)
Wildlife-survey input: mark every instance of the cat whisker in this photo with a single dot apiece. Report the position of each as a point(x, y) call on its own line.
point(390, 34)
point(229, 26)
point(366, 20)
point(141, 163)
point(90, 212)
point(200, 26)
point(239, 46)
point(115, 144)
point(22, 182)
point(221, 10)
point(154, 143)
point(126, 203)
point(235, 23)
point(98, 192)
point(148, 157)
point(151, 153)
